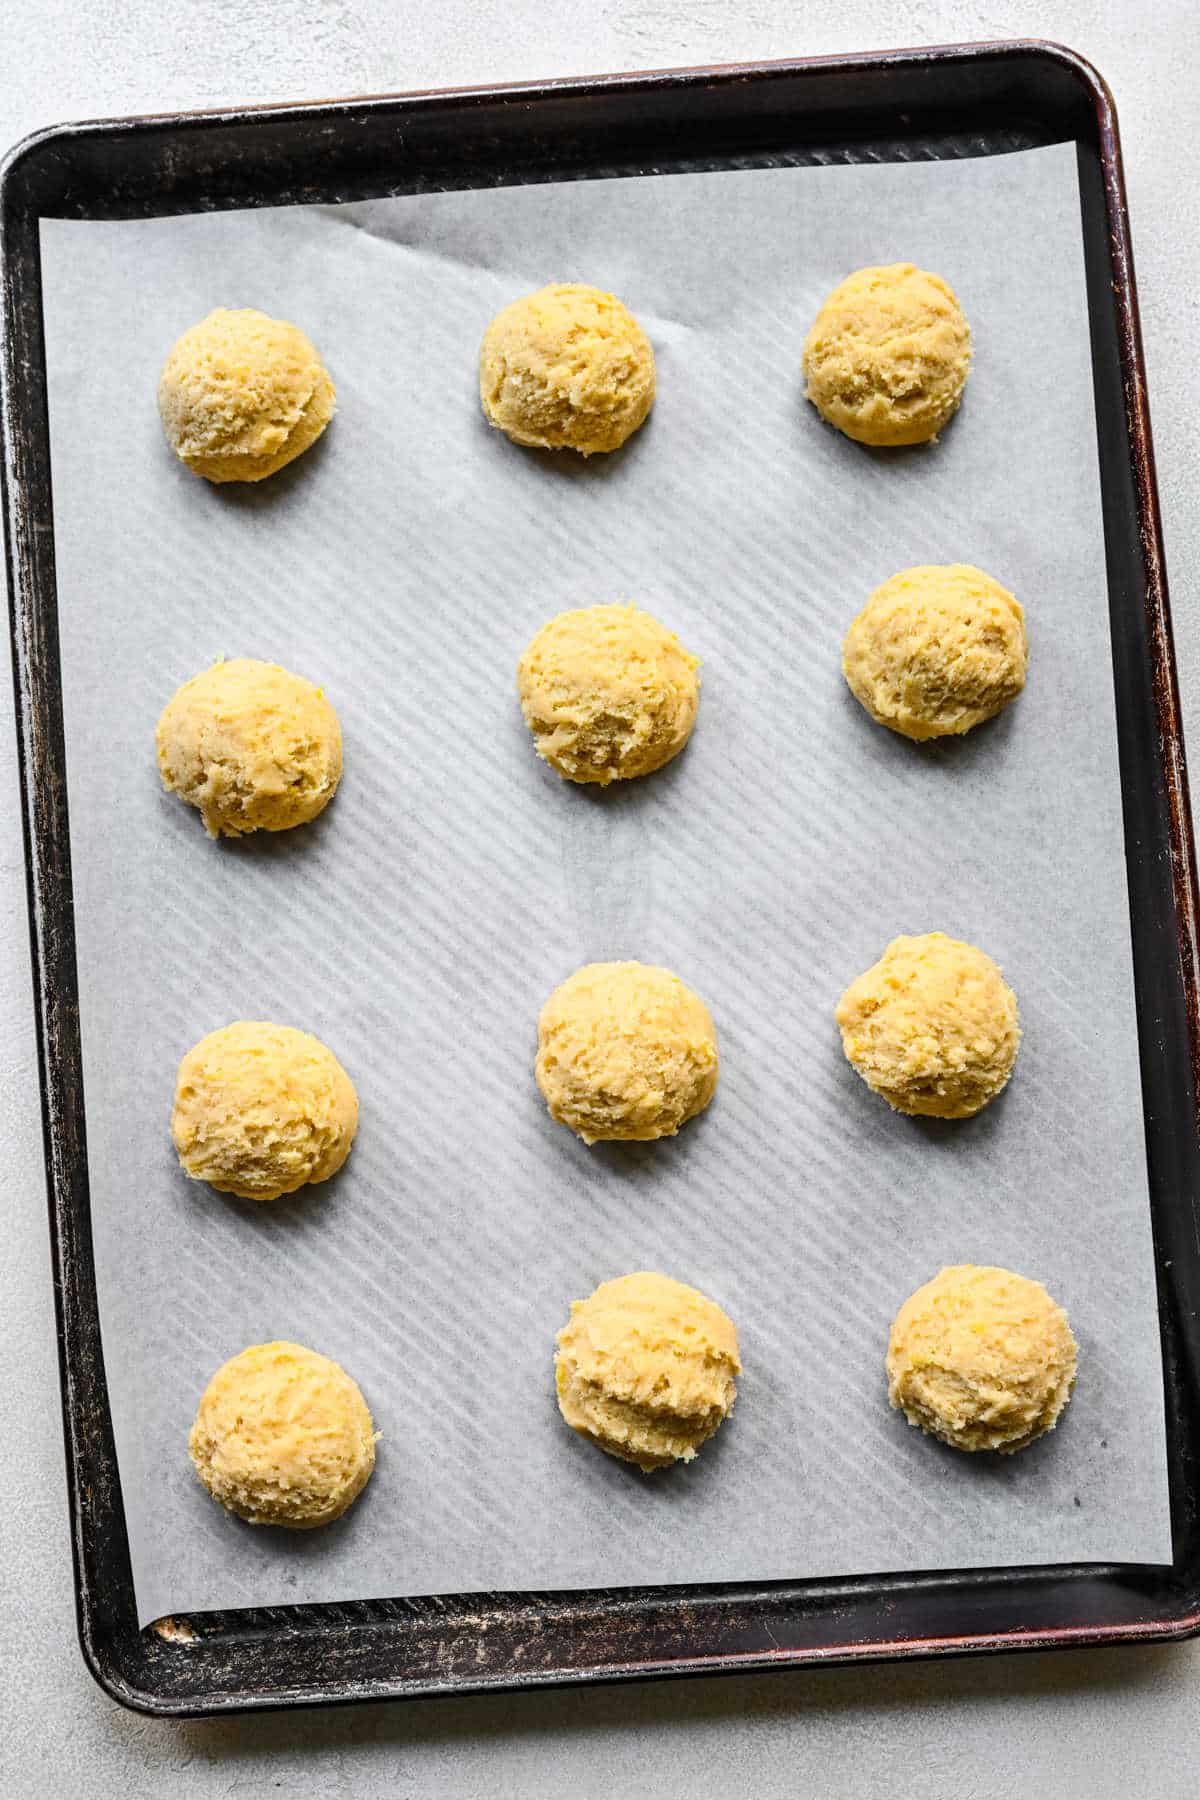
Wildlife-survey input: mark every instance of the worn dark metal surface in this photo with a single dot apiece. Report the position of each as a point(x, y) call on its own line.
point(957, 101)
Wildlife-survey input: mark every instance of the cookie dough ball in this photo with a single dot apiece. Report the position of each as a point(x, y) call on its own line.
point(567, 368)
point(645, 1369)
point(608, 693)
point(888, 354)
point(253, 746)
point(625, 1050)
point(282, 1436)
point(932, 1026)
point(261, 1110)
point(982, 1359)
point(242, 395)
point(936, 650)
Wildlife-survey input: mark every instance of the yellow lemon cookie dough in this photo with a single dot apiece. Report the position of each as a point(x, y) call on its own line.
point(608, 693)
point(625, 1050)
point(253, 746)
point(887, 357)
point(566, 368)
point(261, 1110)
point(932, 1026)
point(241, 395)
point(981, 1358)
point(936, 650)
point(645, 1369)
point(282, 1436)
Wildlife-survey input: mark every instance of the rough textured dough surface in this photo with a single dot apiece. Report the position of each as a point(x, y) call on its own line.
point(252, 746)
point(981, 1358)
point(936, 651)
point(645, 1369)
point(241, 395)
point(261, 1110)
point(625, 1050)
point(932, 1026)
point(888, 355)
point(282, 1436)
point(566, 368)
point(608, 693)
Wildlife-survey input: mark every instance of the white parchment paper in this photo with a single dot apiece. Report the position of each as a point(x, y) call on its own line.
point(419, 924)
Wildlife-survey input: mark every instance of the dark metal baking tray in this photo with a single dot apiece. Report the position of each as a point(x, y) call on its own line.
point(956, 101)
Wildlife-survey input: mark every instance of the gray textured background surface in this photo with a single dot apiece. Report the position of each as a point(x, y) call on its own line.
point(1100, 1724)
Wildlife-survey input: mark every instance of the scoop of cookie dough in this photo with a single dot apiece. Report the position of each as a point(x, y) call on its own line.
point(261, 1110)
point(888, 354)
point(981, 1358)
point(932, 1026)
point(566, 368)
point(625, 1050)
point(936, 651)
point(645, 1369)
point(608, 693)
point(282, 1436)
point(241, 395)
point(253, 746)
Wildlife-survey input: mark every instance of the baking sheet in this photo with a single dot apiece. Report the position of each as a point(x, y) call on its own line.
point(419, 924)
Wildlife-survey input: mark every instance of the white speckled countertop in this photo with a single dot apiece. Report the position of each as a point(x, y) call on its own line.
point(1119, 1723)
